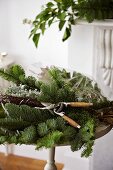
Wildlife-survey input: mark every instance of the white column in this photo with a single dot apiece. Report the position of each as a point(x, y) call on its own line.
point(51, 160)
point(9, 149)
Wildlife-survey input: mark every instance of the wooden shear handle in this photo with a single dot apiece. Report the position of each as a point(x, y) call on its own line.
point(79, 104)
point(71, 121)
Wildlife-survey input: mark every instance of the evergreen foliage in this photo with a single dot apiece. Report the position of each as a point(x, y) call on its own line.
point(67, 12)
point(27, 113)
point(16, 74)
point(13, 124)
point(23, 123)
point(51, 139)
point(13, 74)
point(28, 138)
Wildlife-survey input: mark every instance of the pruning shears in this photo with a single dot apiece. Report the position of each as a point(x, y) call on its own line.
point(58, 109)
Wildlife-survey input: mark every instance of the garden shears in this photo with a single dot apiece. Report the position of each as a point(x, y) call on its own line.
point(58, 109)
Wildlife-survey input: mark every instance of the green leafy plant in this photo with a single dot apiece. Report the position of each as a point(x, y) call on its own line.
point(24, 118)
point(66, 13)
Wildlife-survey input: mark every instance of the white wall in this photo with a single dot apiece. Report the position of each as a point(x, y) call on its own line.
point(80, 49)
point(15, 35)
point(4, 26)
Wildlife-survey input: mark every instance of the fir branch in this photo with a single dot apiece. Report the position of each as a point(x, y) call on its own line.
point(57, 76)
point(85, 138)
point(13, 124)
point(3, 139)
point(8, 76)
point(29, 135)
point(88, 148)
point(16, 71)
point(12, 74)
point(16, 74)
point(13, 139)
point(66, 93)
point(43, 129)
point(76, 143)
point(2, 114)
point(61, 124)
point(27, 113)
point(51, 125)
point(48, 93)
point(50, 140)
point(69, 134)
point(47, 127)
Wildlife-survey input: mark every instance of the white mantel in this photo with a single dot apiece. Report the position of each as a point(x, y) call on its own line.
point(106, 23)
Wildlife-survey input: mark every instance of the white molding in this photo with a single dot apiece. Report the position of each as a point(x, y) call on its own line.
point(104, 23)
point(103, 57)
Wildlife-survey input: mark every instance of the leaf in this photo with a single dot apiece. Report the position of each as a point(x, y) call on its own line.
point(58, 1)
point(50, 4)
point(39, 15)
point(72, 20)
point(61, 24)
point(67, 34)
point(36, 38)
point(42, 27)
point(50, 22)
point(46, 17)
point(33, 31)
point(61, 16)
